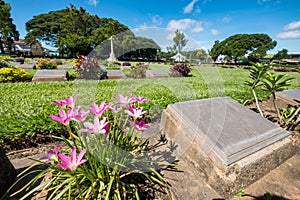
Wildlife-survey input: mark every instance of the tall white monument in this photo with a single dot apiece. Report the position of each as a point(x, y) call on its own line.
point(112, 56)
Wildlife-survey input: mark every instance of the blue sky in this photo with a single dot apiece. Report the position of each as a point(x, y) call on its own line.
point(202, 21)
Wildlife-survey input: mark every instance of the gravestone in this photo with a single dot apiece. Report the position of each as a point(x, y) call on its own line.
point(8, 173)
point(115, 74)
point(292, 94)
point(232, 145)
point(50, 75)
point(156, 74)
point(65, 66)
point(126, 67)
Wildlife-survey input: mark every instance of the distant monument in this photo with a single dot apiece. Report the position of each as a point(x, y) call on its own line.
point(112, 56)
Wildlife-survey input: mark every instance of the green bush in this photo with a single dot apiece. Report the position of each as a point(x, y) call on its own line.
point(45, 64)
point(13, 74)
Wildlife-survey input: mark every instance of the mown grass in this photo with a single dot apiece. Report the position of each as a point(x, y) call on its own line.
point(25, 107)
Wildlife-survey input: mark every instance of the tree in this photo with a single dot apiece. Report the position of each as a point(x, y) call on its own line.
point(282, 54)
point(179, 41)
point(237, 46)
point(8, 30)
point(72, 30)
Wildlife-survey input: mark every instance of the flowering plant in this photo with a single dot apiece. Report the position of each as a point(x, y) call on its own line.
point(180, 69)
point(104, 159)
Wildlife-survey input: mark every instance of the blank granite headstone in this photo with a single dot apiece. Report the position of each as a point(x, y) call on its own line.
point(50, 75)
point(8, 173)
point(156, 74)
point(232, 145)
point(115, 74)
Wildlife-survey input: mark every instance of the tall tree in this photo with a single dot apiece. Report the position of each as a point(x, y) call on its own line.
point(179, 41)
point(8, 30)
point(237, 46)
point(72, 30)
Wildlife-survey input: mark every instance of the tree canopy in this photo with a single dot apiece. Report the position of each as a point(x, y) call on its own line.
point(8, 30)
point(237, 46)
point(72, 30)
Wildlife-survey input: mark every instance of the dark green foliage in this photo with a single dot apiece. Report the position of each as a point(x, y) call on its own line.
point(72, 30)
point(8, 30)
point(236, 46)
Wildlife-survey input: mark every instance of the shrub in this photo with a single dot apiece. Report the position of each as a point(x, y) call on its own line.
point(89, 68)
point(180, 70)
point(137, 72)
point(46, 64)
point(13, 74)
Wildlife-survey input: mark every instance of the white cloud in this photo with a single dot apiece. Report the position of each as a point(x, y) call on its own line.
point(185, 24)
point(292, 26)
point(170, 36)
point(197, 28)
point(289, 35)
point(189, 7)
point(226, 19)
point(157, 20)
point(214, 32)
point(93, 2)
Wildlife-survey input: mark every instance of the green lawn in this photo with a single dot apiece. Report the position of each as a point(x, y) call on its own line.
point(24, 107)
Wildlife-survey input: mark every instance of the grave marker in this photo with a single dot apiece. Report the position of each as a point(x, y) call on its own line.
point(50, 75)
point(228, 142)
point(156, 74)
point(115, 74)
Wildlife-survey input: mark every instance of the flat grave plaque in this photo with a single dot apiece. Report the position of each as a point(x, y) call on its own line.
point(115, 74)
point(50, 75)
point(229, 143)
point(156, 74)
point(230, 130)
point(292, 94)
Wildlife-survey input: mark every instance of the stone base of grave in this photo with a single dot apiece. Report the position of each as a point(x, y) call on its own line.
point(8, 173)
point(230, 144)
point(50, 75)
point(115, 74)
point(156, 74)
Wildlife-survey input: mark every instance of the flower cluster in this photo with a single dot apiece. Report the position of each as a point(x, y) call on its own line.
point(100, 125)
point(180, 70)
point(105, 151)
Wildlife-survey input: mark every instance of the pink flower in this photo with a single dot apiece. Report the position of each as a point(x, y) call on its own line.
point(115, 108)
point(66, 102)
point(80, 115)
point(70, 101)
point(101, 127)
point(139, 99)
point(99, 110)
point(135, 112)
point(52, 154)
point(139, 125)
point(73, 162)
point(63, 118)
point(123, 100)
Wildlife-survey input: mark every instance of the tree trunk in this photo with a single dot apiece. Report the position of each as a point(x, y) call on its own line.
point(1, 45)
